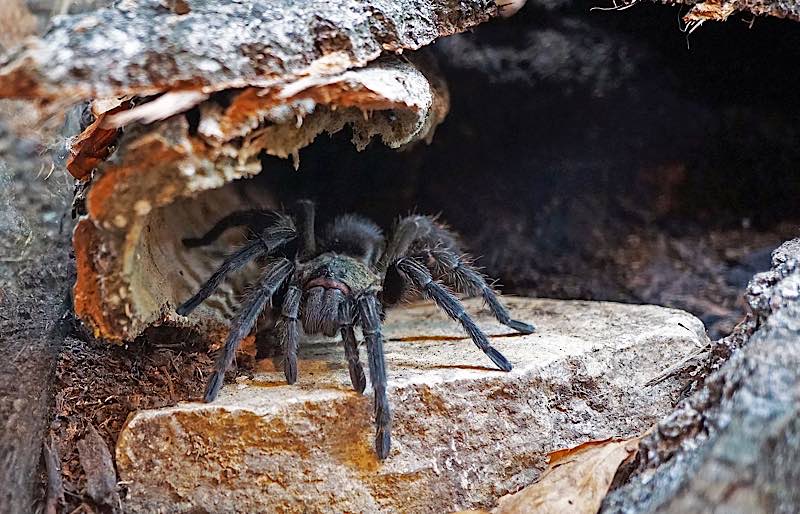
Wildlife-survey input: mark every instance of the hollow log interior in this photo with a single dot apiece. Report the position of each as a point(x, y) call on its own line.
point(595, 156)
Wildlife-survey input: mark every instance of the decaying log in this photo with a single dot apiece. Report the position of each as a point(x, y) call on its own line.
point(734, 445)
point(163, 184)
point(142, 47)
point(259, 78)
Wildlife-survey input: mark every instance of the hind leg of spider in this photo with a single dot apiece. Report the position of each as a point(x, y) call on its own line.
point(464, 278)
point(255, 219)
point(421, 278)
point(243, 323)
point(350, 343)
point(304, 213)
point(234, 262)
point(290, 332)
point(370, 315)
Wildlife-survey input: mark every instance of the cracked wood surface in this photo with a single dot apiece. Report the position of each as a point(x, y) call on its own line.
point(142, 47)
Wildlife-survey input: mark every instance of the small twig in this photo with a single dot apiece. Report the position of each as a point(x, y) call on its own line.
point(55, 484)
point(689, 361)
point(170, 386)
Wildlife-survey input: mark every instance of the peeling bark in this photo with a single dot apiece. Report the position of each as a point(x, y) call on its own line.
point(715, 10)
point(132, 267)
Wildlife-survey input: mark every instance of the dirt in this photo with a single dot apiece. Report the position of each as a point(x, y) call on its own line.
point(99, 384)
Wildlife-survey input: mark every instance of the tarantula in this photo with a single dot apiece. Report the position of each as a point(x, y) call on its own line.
point(344, 279)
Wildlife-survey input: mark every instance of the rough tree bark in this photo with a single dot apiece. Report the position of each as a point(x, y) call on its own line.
point(147, 46)
point(734, 445)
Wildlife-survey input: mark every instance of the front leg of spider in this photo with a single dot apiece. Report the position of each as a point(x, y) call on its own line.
point(234, 262)
point(347, 315)
point(421, 278)
point(369, 311)
point(272, 279)
point(280, 233)
point(464, 278)
point(289, 331)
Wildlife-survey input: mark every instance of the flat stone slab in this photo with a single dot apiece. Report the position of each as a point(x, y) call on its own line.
point(464, 434)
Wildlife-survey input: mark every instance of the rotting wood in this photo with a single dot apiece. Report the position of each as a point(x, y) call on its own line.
point(129, 256)
point(101, 478)
point(288, 72)
point(714, 10)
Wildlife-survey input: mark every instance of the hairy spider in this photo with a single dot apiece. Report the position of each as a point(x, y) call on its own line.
point(344, 279)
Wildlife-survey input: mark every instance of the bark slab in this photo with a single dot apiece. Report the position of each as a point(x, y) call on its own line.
point(464, 433)
point(143, 47)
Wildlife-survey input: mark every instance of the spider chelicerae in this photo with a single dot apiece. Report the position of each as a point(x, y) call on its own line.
point(344, 279)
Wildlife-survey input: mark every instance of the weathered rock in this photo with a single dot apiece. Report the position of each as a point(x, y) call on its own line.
point(464, 433)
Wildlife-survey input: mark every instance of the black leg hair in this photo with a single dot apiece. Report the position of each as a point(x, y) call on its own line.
point(346, 315)
point(304, 214)
point(369, 311)
point(331, 307)
point(408, 230)
point(290, 332)
point(279, 234)
point(255, 219)
point(422, 279)
point(464, 278)
point(235, 262)
point(242, 324)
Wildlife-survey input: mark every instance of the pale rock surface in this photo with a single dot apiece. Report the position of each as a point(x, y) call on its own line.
point(464, 434)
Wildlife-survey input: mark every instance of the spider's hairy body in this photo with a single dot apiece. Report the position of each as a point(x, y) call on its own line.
point(342, 270)
point(342, 279)
point(327, 281)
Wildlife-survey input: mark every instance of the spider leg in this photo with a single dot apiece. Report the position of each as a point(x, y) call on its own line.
point(408, 230)
point(275, 236)
point(243, 323)
point(346, 315)
point(304, 214)
point(256, 219)
point(369, 311)
point(464, 278)
point(290, 332)
point(422, 278)
point(234, 262)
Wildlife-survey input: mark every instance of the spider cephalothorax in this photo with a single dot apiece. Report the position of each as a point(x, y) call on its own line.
point(342, 280)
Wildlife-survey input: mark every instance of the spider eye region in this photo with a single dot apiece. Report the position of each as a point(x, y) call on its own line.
point(336, 271)
point(327, 283)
